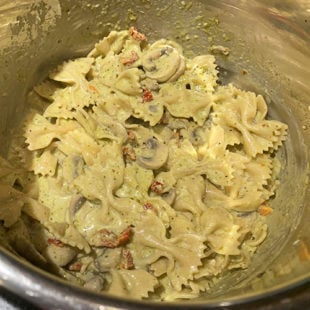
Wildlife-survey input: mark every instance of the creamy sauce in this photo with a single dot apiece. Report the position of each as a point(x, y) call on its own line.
point(141, 176)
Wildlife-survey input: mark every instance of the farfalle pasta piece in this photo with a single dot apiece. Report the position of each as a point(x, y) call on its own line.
point(190, 198)
point(186, 103)
point(108, 127)
point(106, 71)
point(68, 234)
point(113, 43)
point(128, 82)
point(182, 223)
point(252, 186)
point(39, 132)
point(215, 144)
point(132, 283)
point(103, 177)
point(73, 71)
point(71, 98)
point(45, 163)
point(117, 105)
point(59, 109)
point(211, 268)
point(77, 142)
point(137, 184)
point(246, 193)
point(78, 91)
point(246, 112)
point(132, 53)
point(137, 181)
point(184, 252)
point(54, 195)
point(184, 162)
point(221, 232)
point(259, 170)
point(201, 74)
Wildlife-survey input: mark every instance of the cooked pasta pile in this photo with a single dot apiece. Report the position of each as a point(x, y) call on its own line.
point(136, 174)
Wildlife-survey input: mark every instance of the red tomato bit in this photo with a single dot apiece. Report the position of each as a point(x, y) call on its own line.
point(148, 206)
point(157, 187)
point(125, 236)
point(108, 239)
point(130, 60)
point(127, 260)
point(77, 266)
point(128, 153)
point(147, 96)
point(136, 34)
point(55, 242)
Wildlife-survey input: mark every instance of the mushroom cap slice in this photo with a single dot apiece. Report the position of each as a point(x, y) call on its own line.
point(163, 61)
point(153, 155)
point(180, 70)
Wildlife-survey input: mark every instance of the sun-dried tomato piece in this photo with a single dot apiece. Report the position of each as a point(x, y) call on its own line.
point(136, 34)
point(108, 239)
point(127, 260)
point(157, 187)
point(128, 153)
point(93, 89)
point(264, 210)
point(104, 238)
point(131, 135)
point(55, 242)
point(125, 236)
point(76, 266)
point(147, 96)
point(130, 60)
point(148, 206)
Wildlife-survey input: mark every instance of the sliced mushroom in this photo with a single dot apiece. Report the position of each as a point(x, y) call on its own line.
point(59, 255)
point(180, 70)
point(76, 203)
point(196, 136)
point(169, 196)
point(153, 155)
point(110, 259)
point(163, 61)
point(95, 283)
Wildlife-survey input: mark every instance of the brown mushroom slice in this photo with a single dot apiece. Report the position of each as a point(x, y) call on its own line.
point(169, 196)
point(179, 71)
point(163, 60)
point(153, 155)
point(59, 255)
point(95, 283)
point(76, 203)
point(109, 259)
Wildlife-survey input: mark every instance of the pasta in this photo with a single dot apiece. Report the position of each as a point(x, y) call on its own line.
point(137, 174)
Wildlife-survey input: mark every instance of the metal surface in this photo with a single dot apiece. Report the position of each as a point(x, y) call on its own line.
point(268, 39)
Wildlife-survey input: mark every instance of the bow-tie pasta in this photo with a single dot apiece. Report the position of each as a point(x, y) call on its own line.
point(135, 173)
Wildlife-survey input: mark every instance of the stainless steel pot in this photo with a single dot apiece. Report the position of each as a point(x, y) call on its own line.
point(269, 40)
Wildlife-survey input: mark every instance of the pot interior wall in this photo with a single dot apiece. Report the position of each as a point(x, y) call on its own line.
point(268, 40)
